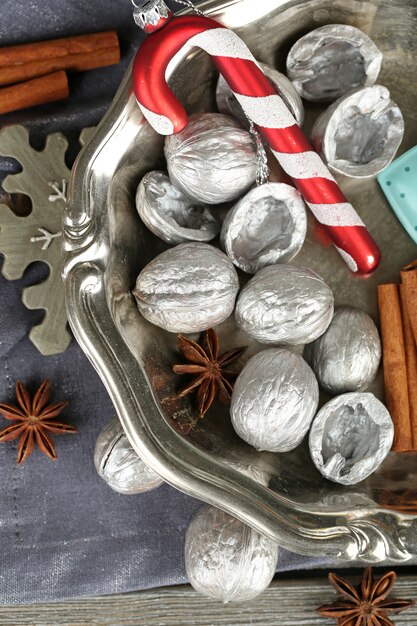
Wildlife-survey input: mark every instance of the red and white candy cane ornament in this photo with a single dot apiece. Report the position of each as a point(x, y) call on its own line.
point(261, 103)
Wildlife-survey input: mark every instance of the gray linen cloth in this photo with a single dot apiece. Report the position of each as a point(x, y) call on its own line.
point(63, 532)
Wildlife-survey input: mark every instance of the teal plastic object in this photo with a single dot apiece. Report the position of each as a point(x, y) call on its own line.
point(399, 184)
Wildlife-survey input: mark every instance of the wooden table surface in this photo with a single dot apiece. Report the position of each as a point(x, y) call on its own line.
point(285, 603)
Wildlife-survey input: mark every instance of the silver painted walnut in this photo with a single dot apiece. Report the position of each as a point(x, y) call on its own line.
point(213, 160)
point(170, 214)
point(274, 400)
point(187, 289)
point(267, 226)
point(225, 559)
point(285, 304)
point(347, 356)
point(119, 465)
point(359, 135)
point(331, 60)
point(350, 437)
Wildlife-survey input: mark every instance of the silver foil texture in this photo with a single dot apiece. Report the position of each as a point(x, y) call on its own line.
point(285, 304)
point(331, 60)
point(119, 465)
point(359, 134)
point(267, 226)
point(274, 400)
point(225, 559)
point(227, 103)
point(350, 437)
point(213, 160)
point(346, 358)
point(188, 288)
point(170, 214)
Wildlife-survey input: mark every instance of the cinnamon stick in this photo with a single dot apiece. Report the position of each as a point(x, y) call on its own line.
point(395, 368)
point(54, 48)
point(37, 91)
point(411, 361)
point(72, 62)
point(409, 280)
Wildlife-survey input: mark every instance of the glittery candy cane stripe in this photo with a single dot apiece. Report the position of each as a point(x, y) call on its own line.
point(337, 214)
point(223, 42)
point(267, 111)
point(348, 259)
point(160, 123)
point(303, 165)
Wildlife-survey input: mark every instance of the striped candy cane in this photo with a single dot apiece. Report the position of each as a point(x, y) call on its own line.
point(262, 105)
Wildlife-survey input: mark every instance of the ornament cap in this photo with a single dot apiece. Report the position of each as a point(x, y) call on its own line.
point(152, 15)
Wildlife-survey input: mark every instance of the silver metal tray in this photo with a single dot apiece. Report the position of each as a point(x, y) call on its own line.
point(106, 245)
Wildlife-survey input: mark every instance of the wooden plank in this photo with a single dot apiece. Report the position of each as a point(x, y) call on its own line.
point(285, 603)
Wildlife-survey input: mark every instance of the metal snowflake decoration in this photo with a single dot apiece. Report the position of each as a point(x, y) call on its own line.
point(37, 236)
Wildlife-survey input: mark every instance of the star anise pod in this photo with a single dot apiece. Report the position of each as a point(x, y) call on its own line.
point(33, 420)
point(209, 368)
point(366, 605)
